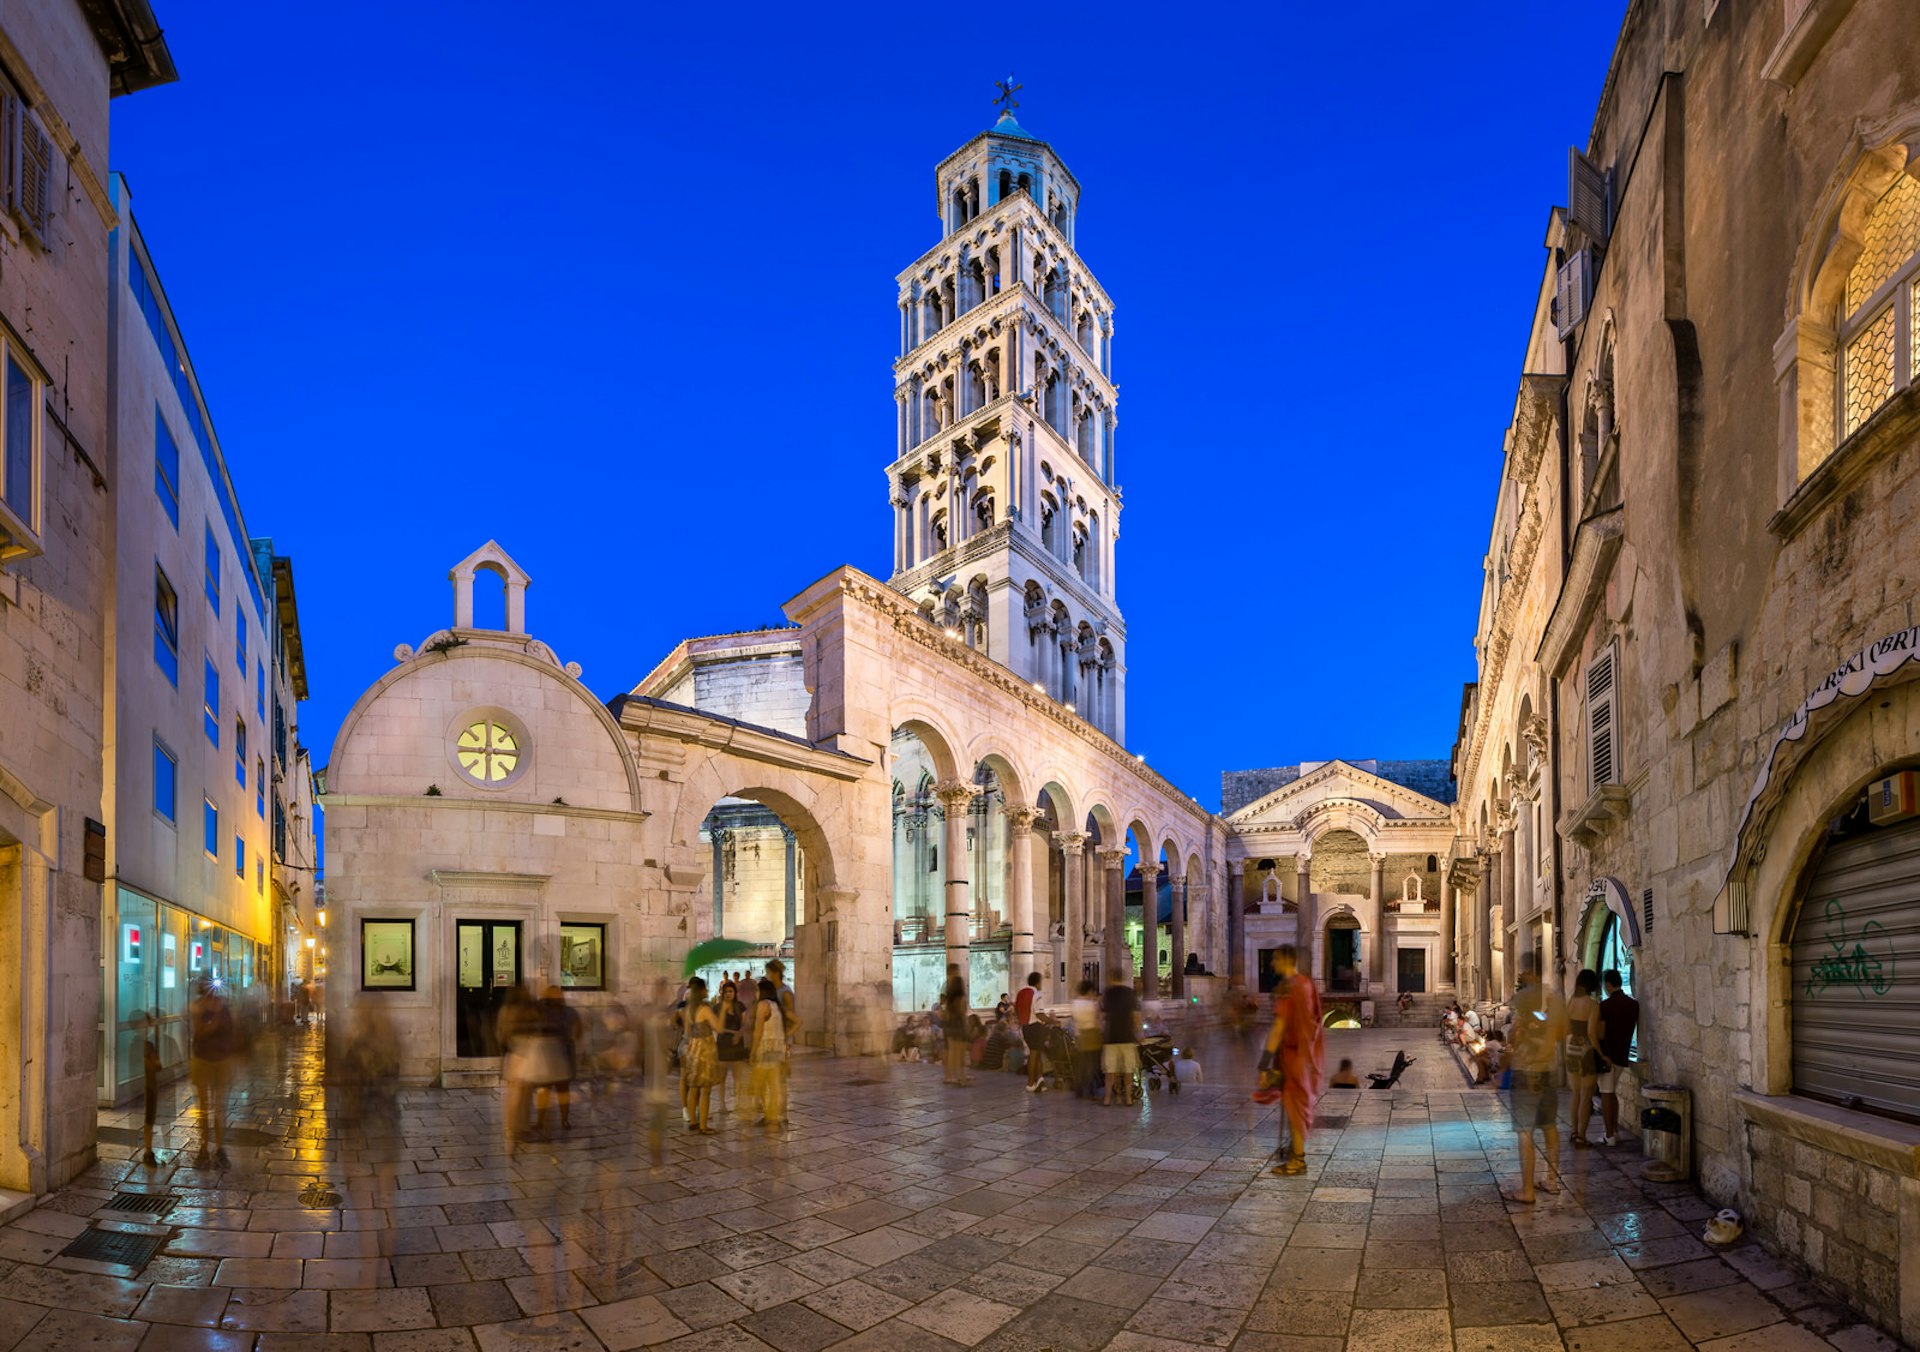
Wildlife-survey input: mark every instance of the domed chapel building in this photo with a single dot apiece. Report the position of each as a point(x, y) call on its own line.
point(927, 769)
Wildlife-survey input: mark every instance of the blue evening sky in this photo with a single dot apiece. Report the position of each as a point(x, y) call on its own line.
point(615, 285)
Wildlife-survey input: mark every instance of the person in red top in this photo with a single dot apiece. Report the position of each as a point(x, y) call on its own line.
point(1296, 1050)
point(1023, 1015)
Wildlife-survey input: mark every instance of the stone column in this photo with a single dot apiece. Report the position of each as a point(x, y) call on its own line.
point(1483, 891)
point(954, 799)
point(1113, 952)
point(1446, 977)
point(1508, 920)
point(1179, 882)
point(1148, 979)
point(1073, 846)
point(1376, 961)
point(1020, 892)
point(1306, 923)
point(1236, 923)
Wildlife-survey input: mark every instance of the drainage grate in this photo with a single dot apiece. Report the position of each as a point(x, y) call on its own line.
point(149, 1203)
point(115, 1246)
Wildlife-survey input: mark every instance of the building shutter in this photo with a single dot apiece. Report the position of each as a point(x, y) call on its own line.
point(1855, 995)
point(1602, 739)
point(1572, 292)
point(1589, 196)
point(34, 202)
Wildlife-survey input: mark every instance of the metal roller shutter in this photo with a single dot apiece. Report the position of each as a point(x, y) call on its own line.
point(1855, 1002)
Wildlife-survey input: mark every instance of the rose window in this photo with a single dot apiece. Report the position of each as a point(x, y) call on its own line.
point(488, 751)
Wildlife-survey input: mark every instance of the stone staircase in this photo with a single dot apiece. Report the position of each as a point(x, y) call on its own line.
point(1424, 1014)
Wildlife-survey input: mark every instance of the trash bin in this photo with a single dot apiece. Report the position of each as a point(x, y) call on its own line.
point(1666, 1129)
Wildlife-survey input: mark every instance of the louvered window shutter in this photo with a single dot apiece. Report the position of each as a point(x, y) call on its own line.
point(1573, 291)
point(35, 201)
point(1588, 196)
point(1602, 739)
point(9, 146)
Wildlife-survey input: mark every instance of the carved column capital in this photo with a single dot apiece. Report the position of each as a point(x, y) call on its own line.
point(1112, 857)
point(1020, 820)
point(1303, 864)
point(1149, 870)
point(1071, 842)
point(954, 794)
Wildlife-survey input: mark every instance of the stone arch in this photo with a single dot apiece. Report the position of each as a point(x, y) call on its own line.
point(1054, 798)
point(1806, 355)
point(805, 806)
point(1852, 754)
point(926, 725)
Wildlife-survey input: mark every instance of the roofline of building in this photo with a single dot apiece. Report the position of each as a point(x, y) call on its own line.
point(288, 610)
point(133, 42)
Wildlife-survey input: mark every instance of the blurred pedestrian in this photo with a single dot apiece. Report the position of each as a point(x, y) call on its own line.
point(151, 1066)
point(370, 1075)
point(516, 1029)
point(1296, 1052)
point(731, 1047)
point(559, 1028)
point(953, 1019)
point(1539, 1028)
point(213, 1044)
point(1087, 1074)
point(653, 1050)
point(699, 1061)
point(1120, 1038)
point(770, 1057)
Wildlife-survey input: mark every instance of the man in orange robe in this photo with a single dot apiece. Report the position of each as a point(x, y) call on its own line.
point(1296, 1052)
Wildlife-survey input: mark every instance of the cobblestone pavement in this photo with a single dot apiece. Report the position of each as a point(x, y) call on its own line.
point(898, 1213)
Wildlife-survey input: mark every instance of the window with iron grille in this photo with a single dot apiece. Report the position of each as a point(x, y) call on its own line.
point(1878, 357)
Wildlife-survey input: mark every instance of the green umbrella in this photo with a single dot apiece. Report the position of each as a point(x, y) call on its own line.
point(710, 951)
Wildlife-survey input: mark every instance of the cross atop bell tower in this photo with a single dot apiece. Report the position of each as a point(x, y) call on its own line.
point(1006, 508)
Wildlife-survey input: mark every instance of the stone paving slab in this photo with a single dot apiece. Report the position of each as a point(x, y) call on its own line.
point(899, 1213)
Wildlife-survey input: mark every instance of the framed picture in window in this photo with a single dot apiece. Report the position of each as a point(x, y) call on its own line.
point(583, 957)
point(386, 955)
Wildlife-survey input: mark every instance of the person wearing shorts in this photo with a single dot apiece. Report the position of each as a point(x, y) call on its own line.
point(1023, 1014)
point(1120, 1050)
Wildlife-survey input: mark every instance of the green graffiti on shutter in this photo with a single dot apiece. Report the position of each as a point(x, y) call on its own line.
point(1852, 962)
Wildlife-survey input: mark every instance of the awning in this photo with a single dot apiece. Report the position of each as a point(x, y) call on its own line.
point(1889, 661)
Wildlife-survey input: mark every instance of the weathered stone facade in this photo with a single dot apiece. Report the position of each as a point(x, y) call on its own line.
point(1706, 511)
point(58, 69)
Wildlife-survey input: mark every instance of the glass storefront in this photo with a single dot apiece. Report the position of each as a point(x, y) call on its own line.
point(158, 952)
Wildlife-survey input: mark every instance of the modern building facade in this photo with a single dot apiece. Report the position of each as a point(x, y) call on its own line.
point(204, 665)
point(61, 63)
point(1691, 751)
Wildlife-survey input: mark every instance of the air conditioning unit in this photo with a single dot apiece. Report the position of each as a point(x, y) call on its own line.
point(1894, 798)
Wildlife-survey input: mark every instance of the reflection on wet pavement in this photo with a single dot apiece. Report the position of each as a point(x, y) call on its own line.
point(897, 1213)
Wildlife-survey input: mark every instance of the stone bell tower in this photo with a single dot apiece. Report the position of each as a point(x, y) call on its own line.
point(1005, 503)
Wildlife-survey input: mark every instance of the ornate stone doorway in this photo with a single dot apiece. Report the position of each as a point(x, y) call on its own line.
point(1343, 954)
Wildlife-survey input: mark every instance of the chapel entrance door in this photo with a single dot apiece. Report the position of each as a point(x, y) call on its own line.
point(489, 963)
point(1413, 970)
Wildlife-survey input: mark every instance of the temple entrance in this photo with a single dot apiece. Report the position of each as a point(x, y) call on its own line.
point(1413, 970)
point(1343, 954)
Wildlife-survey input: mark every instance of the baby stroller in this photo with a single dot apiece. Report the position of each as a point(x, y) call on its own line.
point(1156, 1061)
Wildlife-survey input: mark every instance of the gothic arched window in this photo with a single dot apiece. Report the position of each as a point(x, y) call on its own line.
point(1878, 354)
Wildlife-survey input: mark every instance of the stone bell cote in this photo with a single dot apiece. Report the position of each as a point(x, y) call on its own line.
point(493, 559)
